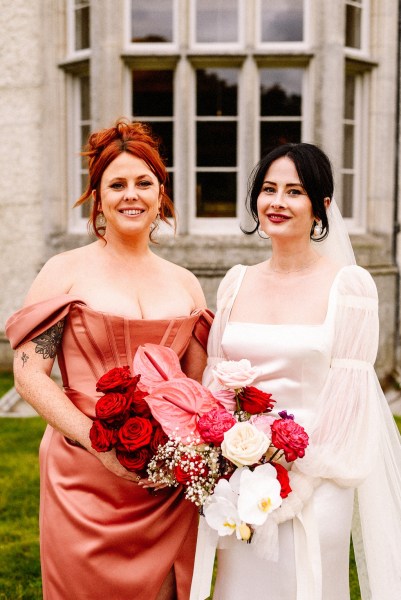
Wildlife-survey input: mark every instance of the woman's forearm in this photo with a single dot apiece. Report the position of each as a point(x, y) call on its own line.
point(50, 402)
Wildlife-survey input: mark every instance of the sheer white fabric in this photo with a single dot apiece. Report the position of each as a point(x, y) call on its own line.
point(337, 244)
point(354, 443)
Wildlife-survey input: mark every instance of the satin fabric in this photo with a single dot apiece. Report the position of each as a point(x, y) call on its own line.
point(103, 536)
point(325, 376)
point(293, 362)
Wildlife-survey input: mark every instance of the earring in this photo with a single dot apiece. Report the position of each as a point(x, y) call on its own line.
point(263, 237)
point(155, 223)
point(317, 230)
point(101, 220)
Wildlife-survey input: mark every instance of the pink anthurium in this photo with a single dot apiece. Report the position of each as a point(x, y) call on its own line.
point(177, 404)
point(156, 364)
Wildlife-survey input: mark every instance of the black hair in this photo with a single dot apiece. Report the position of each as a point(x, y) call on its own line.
point(314, 171)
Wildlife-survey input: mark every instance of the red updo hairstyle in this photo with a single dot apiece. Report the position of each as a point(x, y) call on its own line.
point(106, 145)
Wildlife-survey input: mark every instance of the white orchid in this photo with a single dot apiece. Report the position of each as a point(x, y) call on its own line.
point(259, 494)
point(221, 511)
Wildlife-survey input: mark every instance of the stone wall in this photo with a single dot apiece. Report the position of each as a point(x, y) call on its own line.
point(21, 168)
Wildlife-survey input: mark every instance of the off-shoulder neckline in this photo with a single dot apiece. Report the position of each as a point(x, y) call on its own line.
point(194, 313)
point(75, 301)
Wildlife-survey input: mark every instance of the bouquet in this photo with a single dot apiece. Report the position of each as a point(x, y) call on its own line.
point(124, 421)
point(225, 448)
point(255, 444)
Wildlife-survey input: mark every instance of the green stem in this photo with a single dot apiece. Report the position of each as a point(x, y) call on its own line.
point(273, 455)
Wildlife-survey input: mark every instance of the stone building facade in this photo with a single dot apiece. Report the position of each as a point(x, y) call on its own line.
point(221, 82)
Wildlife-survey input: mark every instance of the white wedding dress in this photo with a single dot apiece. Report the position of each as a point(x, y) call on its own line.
point(323, 375)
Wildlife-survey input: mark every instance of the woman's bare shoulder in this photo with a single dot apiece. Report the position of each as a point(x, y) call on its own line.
point(57, 274)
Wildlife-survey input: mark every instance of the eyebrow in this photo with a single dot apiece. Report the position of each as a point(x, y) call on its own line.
point(299, 184)
point(120, 177)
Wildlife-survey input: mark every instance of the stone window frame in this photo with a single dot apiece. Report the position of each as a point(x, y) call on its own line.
point(72, 9)
point(185, 60)
point(271, 46)
point(364, 24)
point(360, 72)
point(148, 49)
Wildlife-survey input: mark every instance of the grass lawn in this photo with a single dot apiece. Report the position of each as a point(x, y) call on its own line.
point(19, 499)
point(19, 484)
point(6, 382)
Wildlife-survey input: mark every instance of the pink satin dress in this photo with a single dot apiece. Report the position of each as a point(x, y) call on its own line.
point(103, 537)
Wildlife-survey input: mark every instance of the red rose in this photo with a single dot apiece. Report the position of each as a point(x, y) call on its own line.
point(290, 437)
point(254, 401)
point(135, 461)
point(190, 467)
point(138, 404)
point(135, 433)
point(213, 424)
point(283, 479)
point(118, 378)
point(159, 438)
point(112, 408)
point(102, 439)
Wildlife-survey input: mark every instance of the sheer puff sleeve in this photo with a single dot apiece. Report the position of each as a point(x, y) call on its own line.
point(225, 295)
point(354, 440)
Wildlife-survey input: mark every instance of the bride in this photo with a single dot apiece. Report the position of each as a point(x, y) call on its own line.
point(308, 319)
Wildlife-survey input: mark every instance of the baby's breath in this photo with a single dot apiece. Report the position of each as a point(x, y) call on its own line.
point(202, 462)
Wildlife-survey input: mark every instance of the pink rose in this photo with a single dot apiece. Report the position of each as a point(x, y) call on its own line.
point(226, 398)
point(263, 423)
point(290, 437)
point(213, 424)
point(234, 374)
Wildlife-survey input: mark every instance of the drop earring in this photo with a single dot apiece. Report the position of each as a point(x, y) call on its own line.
point(101, 220)
point(317, 230)
point(263, 237)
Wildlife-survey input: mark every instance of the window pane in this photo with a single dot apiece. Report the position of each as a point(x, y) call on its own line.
point(85, 132)
point(281, 20)
point(275, 133)
point(170, 186)
point(86, 207)
point(281, 92)
point(348, 192)
point(85, 98)
point(216, 21)
point(216, 92)
point(216, 194)
point(151, 22)
point(353, 16)
point(348, 146)
point(349, 104)
point(164, 131)
point(216, 144)
point(82, 25)
point(153, 93)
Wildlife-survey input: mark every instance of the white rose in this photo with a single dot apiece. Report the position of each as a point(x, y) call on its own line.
point(235, 374)
point(244, 444)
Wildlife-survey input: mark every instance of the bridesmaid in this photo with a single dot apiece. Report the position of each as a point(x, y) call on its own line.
point(102, 533)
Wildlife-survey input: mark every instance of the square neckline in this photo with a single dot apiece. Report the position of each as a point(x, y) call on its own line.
point(330, 303)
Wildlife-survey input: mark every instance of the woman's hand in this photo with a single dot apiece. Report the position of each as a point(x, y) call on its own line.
point(111, 463)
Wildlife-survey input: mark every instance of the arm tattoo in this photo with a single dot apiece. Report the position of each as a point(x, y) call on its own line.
point(24, 359)
point(48, 342)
